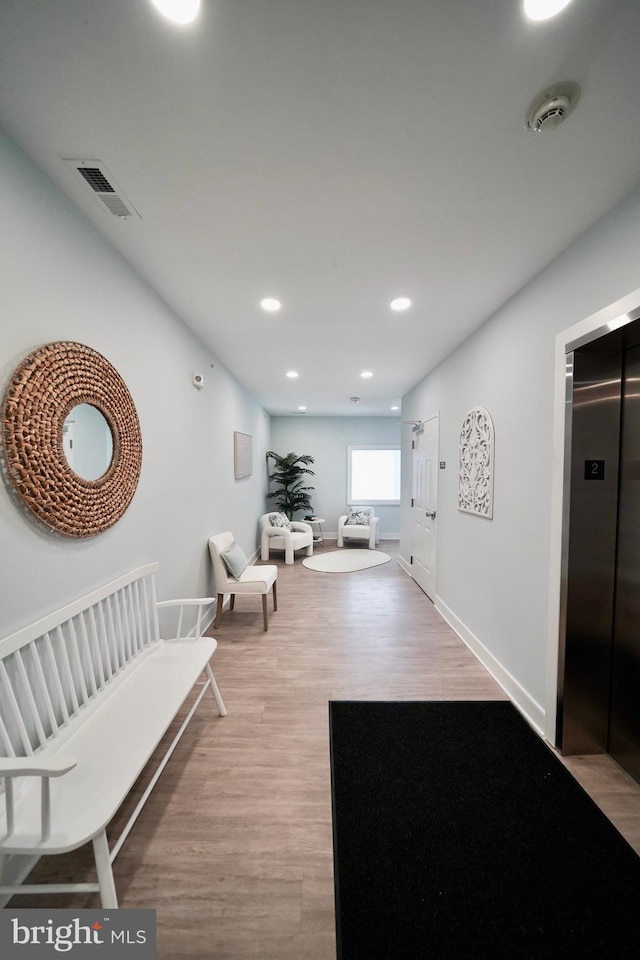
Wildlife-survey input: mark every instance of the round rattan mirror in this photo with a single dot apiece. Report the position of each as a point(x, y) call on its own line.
point(50, 383)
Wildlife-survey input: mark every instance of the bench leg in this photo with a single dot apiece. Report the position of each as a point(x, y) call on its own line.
point(275, 596)
point(108, 895)
point(222, 710)
point(264, 611)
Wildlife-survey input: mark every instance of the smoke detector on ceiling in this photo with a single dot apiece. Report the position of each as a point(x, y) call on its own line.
point(355, 399)
point(552, 107)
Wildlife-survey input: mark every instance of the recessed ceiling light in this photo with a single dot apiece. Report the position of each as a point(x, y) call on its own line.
point(302, 408)
point(366, 374)
point(270, 305)
point(400, 303)
point(395, 408)
point(544, 9)
point(292, 374)
point(180, 11)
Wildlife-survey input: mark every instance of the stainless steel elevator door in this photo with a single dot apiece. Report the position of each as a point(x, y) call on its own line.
point(585, 688)
point(624, 717)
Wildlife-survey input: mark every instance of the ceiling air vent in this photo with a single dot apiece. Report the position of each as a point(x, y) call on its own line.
point(102, 185)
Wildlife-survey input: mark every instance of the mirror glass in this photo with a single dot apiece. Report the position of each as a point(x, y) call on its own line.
point(87, 442)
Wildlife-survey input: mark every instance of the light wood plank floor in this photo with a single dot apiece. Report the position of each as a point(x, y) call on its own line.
point(234, 848)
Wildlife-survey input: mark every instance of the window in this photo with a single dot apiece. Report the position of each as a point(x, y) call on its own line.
point(373, 475)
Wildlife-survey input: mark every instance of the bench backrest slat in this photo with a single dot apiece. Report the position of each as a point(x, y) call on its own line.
point(106, 650)
point(129, 623)
point(13, 714)
point(112, 636)
point(79, 681)
point(29, 707)
point(39, 650)
point(56, 680)
point(87, 640)
point(136, 613)
point(53, 670)
point(93, 638)
point(116, 619)
point(68, 686)
point(7, 745)
point(146, 607)
point(152, 604)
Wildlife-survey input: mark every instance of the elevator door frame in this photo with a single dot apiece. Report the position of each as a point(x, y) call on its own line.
point(614, 317)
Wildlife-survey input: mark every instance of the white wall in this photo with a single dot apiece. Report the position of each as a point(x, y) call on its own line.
point(493, 576)
point(61, 281)
point(327, 439)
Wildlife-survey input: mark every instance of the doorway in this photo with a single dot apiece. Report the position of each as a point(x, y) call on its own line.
point(599, 664)
point(424, 504)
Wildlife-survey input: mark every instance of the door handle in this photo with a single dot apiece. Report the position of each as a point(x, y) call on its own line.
point(431, 514)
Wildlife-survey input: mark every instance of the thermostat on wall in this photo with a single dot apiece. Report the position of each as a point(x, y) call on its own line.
point(198, 381)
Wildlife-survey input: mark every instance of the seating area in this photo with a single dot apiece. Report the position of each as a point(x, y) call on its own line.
point(233, 574)
point(279, 533)
point(108, 671)
point(360, 524)
point(76, 685)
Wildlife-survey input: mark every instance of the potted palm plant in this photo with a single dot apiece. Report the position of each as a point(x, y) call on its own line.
point(288, 475)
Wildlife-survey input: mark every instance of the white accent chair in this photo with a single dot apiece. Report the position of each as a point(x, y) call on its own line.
point(359, 531)
point(255, 580)
point(279, 538)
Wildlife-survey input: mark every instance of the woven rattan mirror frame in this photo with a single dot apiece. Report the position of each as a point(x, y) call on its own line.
point(46, 386)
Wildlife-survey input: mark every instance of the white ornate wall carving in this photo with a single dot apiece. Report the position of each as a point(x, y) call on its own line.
point(475, 464)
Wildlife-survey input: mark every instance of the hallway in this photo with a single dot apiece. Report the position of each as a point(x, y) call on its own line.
point(234, 849)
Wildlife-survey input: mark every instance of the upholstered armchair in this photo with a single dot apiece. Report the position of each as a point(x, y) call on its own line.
point(360, 523)
point(296, 536)
point(233, 574)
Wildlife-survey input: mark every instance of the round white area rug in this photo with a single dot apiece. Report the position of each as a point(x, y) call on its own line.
point(346, 561)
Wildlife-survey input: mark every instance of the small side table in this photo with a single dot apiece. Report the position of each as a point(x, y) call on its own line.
point(319, 536)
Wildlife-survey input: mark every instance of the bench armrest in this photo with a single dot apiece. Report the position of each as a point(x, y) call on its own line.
point(200, 602)
point(43, 767)
point(35, 766)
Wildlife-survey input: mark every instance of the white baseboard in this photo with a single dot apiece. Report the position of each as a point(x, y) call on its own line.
point(532, 710)
point(406, 566)
point(208, 620)
point(333, 535)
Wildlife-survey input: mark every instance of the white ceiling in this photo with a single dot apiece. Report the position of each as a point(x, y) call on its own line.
point(333, 154)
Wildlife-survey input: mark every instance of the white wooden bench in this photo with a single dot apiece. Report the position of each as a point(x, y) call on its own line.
point(86, 695)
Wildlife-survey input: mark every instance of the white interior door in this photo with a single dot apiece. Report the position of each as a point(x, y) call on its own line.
point(424, 503)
